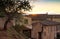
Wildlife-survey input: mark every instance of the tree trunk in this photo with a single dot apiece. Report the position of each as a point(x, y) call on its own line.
point(5, 25)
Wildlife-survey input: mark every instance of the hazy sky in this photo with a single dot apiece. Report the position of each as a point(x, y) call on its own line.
point(43, 6)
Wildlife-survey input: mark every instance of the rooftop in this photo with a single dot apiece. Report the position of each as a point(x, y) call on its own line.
point(47, 23)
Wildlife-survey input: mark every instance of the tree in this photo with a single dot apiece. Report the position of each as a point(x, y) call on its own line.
point(13, 9)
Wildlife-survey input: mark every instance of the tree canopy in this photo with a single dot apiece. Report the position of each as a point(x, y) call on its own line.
point(13, 9)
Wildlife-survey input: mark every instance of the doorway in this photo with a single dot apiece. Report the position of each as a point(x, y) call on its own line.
point(58, 36)
point(39, 35)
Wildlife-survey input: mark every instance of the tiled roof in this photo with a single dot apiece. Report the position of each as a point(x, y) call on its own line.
point(47, 23)
point(37, 16)
point(54, 16)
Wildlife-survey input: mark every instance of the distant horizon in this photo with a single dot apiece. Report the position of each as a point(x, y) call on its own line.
point(43, 13)
point(43, 6)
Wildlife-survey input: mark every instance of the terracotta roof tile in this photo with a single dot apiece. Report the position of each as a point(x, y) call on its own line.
point(47, 23)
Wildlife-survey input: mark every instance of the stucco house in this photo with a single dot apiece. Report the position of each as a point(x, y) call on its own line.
point(27, 27)
point(45, 30)
point(45, 26)
point(54, 17)
point(39, 26)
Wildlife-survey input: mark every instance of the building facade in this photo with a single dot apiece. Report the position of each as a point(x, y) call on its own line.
point(45, 30)
point(45, 26)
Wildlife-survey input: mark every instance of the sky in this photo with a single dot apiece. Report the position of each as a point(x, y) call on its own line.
point(44, 6)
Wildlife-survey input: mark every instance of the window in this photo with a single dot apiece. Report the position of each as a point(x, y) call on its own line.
point(58, 36)
point(25, 21)
point(40, 35)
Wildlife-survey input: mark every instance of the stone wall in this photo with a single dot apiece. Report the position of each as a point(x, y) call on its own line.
point(49, 32)
point(2, 21)
point(35, 29)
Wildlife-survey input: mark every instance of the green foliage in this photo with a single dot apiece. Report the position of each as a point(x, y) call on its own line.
point(17, 28)
point(2, 14)
point(13, 9)
point(27, 33)
point(24, 5)
point(25, 21)
point(10, 8)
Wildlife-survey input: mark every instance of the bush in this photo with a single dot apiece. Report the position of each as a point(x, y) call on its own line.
point(18, 27)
